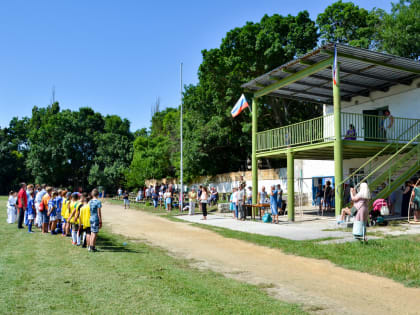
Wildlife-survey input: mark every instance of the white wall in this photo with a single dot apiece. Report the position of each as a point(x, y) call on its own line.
point(403, 101)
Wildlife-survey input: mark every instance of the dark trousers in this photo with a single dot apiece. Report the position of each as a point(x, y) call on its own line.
point(20, 218)
point(204, 209)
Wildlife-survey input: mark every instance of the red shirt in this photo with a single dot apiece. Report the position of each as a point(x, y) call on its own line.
point(22, 195)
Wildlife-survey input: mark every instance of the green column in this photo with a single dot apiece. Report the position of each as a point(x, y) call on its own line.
point(254, 152)
point(290, 186)
point(338, 144)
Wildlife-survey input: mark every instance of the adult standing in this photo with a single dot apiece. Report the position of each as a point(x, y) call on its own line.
point(95, 219)
point(273, 204)
point(415, 200)
point(319, 196)
point(388, 125)
point(38, 199)
point(147, 193)
point(279, 198)
point(199, 192)
point(406, 198)
point(241, 201)
point(22, 202)
point(262, 195)
point(192, 196)
point(203, 201)
point(168, 200)
point(360, 201)
point(327, 196)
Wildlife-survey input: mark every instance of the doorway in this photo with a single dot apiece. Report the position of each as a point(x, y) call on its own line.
point(373, 124)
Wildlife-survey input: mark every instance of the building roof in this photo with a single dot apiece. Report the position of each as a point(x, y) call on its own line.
point(361, 72)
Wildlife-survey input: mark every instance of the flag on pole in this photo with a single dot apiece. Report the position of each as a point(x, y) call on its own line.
point(240, 105)
point(334, 70)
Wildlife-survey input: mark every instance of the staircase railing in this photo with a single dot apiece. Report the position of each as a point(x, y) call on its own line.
point(392, 185)
point(389, 159)
point(369, 162)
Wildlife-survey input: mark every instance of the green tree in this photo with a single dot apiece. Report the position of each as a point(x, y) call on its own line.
point(400, 33)
point(12, 170)
point(345, 22)
point(214, 142)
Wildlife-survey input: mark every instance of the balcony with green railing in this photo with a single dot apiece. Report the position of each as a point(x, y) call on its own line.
point(366, 129)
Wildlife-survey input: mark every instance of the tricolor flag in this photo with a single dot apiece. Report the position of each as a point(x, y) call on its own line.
point(240, 105)
point(334, 69)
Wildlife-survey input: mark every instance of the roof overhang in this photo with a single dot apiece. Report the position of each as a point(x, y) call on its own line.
point(309, 77)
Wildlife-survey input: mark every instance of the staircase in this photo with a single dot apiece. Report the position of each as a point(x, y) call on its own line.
point(394, 171)
point(385, 177)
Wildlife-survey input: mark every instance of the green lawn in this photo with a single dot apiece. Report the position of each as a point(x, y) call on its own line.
point(392, 257)
point(45, 274)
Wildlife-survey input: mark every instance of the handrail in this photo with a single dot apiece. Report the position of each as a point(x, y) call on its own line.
point(321, 129)
point(378, 154)
point(389, 159)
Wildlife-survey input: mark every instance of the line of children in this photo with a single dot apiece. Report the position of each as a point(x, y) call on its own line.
point(70, 214)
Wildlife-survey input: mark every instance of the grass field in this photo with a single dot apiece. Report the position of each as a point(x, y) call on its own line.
point(42, 274)
point(396, 258)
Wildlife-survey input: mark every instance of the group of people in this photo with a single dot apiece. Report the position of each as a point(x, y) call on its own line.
point(242, 196)
point(57, 211)
point(324, 197)
point(360, 211)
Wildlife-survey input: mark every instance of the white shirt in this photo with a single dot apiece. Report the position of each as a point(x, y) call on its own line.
point(249, 193)
point(235, 197)
point(12, 201)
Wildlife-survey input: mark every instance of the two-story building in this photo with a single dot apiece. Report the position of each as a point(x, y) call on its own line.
point(371, 128)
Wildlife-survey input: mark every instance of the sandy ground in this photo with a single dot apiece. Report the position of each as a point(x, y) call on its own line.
point(318, 285)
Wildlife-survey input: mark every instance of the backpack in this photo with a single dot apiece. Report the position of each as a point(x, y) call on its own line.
point(267, 218)
point(41, 206)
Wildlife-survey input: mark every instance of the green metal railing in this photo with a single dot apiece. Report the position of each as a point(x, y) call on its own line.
point(305, 132)
point(368, 166)
point(321, 129)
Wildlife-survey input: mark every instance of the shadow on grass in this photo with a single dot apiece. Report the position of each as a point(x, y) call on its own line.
point(107, 243)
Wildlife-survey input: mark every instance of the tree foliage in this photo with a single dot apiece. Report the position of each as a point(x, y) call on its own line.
point(400, 33)
point(345, 22)
point(68, 148)
point(85, 148)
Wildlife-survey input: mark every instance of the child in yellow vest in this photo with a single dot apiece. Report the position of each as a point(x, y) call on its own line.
point(64, 212)
point(85, 221)
point(74, 218)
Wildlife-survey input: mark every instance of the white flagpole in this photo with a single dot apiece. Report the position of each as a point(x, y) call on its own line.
point(182, 166)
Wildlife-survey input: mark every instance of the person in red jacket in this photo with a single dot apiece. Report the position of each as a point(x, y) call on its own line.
point(22, 202)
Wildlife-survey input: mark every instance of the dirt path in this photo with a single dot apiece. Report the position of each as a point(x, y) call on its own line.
point(319, 285)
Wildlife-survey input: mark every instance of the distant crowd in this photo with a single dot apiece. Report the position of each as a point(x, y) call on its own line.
point(57, 211)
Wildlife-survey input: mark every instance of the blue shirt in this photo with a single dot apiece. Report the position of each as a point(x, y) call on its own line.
point(94, 205)
point(51, 206)
point(39, 195)
point(30, 208)
point(273, 197)
point(58, 203)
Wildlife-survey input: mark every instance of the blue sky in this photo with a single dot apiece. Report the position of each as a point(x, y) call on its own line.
point(117, 56)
